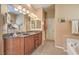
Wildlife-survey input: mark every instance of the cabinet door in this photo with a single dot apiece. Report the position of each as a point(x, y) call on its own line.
point(22, 46)
point(1, 47)
point(8, 46)
point(18, 46)
point(36, 38)
point(29, 45)
point(36, 43)
point(40, 38)
point(26, 43)
point(14, 46)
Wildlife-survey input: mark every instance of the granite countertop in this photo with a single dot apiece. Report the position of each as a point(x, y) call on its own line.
point(19, 34)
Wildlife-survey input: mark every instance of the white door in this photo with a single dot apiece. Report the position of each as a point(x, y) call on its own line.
point(50, 29)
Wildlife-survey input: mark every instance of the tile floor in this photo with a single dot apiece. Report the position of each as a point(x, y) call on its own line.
point(48, 49)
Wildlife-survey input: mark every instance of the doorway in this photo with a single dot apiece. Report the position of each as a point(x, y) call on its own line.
point(50, 29)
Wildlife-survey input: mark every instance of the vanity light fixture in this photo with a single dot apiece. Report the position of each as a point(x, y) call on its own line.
point(24, 10)
point(33, 15)
point(15, 9)
point(20, 11)
point(29, 5)
point(24, 13)
point(29, 15)
point(36, 18)
point(19, 7)
point(27, 11)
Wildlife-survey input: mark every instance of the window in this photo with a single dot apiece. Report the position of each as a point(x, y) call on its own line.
point(35, 24)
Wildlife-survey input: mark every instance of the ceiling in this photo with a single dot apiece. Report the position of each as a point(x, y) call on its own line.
point(44, 6)
point(35, 6)
point(41, 5)
point(11, 10)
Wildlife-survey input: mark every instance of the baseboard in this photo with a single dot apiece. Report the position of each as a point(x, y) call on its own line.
point(50, 39)
point(61, 48)
point(65, 50)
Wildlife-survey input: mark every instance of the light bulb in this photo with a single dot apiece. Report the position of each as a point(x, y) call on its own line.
point(24, 9)
point(15, 9)
point(35, 16)
point(27, 11)
point(20, 7)
point(20, 11)
point(24, 13)
point(29, 15)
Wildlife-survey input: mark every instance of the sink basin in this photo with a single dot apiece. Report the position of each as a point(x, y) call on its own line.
point(8, 35)
point(26, 34)
point(18, 34)
point(22, 34)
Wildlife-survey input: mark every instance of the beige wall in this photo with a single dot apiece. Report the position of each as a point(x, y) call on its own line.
point(2, 12)
point(68, 12)
point(42, 18)
point(26, 23)
point(62, 29)
point(3, 8)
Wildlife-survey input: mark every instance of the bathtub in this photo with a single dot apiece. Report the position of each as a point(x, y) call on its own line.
point(72, 46)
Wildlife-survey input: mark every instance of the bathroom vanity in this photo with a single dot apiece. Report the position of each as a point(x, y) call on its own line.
point(23, 44)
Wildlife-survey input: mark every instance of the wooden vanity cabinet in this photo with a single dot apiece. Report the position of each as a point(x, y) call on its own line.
point(38, 39)
point(26, 45)
point(22, 45)
point(18, 46)
point(32, 42)
point(8, 46)
point(14, 46)
point(29, 45)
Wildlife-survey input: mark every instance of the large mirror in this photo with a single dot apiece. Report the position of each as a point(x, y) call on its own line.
point(21, 21)
point(15, 20)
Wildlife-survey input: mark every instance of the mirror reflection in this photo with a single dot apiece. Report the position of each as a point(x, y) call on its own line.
point(21, 20)
point(15, 20)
